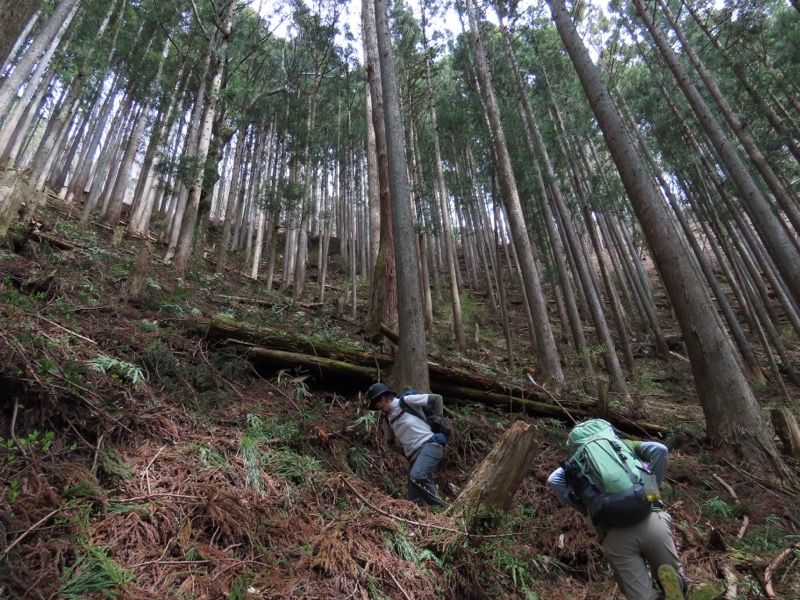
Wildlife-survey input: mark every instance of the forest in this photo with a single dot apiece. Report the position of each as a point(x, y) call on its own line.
point(222, 220)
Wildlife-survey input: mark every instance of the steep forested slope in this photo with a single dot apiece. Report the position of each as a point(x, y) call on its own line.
point(141, 460)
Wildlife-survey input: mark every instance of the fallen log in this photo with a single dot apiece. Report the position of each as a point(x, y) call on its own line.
point(333, 371)
point(224, 329)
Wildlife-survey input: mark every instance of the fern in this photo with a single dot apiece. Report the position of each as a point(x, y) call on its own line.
point(118, 368)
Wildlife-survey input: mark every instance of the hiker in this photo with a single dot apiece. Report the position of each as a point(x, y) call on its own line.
point(408, 432)
point(633, 527)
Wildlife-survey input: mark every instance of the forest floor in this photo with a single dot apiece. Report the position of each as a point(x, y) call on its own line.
point(139, 460)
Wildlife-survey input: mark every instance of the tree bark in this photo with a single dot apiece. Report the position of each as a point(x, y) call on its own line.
point(187, 225)
point(441, 190)
point(41, 49)
point(492, 485)
point(772, 233)
point(410, 370)
point(383, 288)
point(733, 418)
point(547, 353)
point(788, 432)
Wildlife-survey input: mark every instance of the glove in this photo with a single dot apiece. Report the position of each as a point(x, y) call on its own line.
point(440, 438)
point(436, 424)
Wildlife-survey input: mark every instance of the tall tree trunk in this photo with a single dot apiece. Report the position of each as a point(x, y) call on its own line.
point(232, 202)
point(549, 365)
point(441, 190)
point(733, 417)
point(411, 367)
point(40, 52)
point(120, 189)
point(187, 229)
point(14, 32)
point(383, 289)
point(786, 200)
point(373, 185)
point(791, 143)
point(771, 231)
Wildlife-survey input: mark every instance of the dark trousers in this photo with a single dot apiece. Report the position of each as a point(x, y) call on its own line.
point(421, 489)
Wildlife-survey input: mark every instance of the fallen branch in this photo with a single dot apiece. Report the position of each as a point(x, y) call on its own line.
point(429, 525)
point(728, 488)
point(389, 334)
point(553, 398)
point(170, 562)
point(397, 583)
point(69, 331)
point(30, 530)
point(395, 517)
point(679, 357)
point(147, 469)
point(777, 561)
point(743, 528)
point(19, 446)
point(731, 582)
point(53, 241)
point(97, 452)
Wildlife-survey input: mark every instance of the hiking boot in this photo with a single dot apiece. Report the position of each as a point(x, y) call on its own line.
point(670, 582)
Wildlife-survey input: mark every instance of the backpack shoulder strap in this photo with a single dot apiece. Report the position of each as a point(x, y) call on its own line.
point(617, 445)
point(404, 406)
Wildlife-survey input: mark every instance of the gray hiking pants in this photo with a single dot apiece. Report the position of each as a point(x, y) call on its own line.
point(420, 487)
point(632, 549)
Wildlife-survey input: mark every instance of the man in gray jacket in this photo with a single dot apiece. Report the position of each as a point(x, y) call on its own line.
point(408, 433)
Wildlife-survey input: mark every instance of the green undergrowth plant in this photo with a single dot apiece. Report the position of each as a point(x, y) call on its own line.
point(359, 460)
point(111, 470)
point(119, 370)
point(94, 575)
point(212, 459)
point(260, 433)
point(240, 587)
point(161, 362)
point(114, 508)
point(368, 420)
point(769, 536)
point(408, 550)
point(717, 509)
point(288, 464)
point(297, 382)
point(230, 363)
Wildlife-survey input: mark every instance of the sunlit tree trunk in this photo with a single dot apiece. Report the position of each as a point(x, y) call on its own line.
point(786, 200)
point(187, 230)
point(10, 47)
point(39, 54)
point(441, 192)
point(118, 193)
point(791, 142)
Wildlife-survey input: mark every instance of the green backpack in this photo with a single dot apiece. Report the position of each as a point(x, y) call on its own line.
point(607, 477)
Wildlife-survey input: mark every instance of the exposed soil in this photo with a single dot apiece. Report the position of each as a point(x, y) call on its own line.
point(140, 461)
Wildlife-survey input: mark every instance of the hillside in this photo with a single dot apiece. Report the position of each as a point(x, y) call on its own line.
point(141, 460)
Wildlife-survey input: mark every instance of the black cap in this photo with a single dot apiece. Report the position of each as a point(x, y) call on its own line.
point(374, 393)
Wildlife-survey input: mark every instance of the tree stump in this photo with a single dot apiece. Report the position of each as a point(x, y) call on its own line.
point(490, 490)
point(14, 189)
point(141, 269)
point(788, 432)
